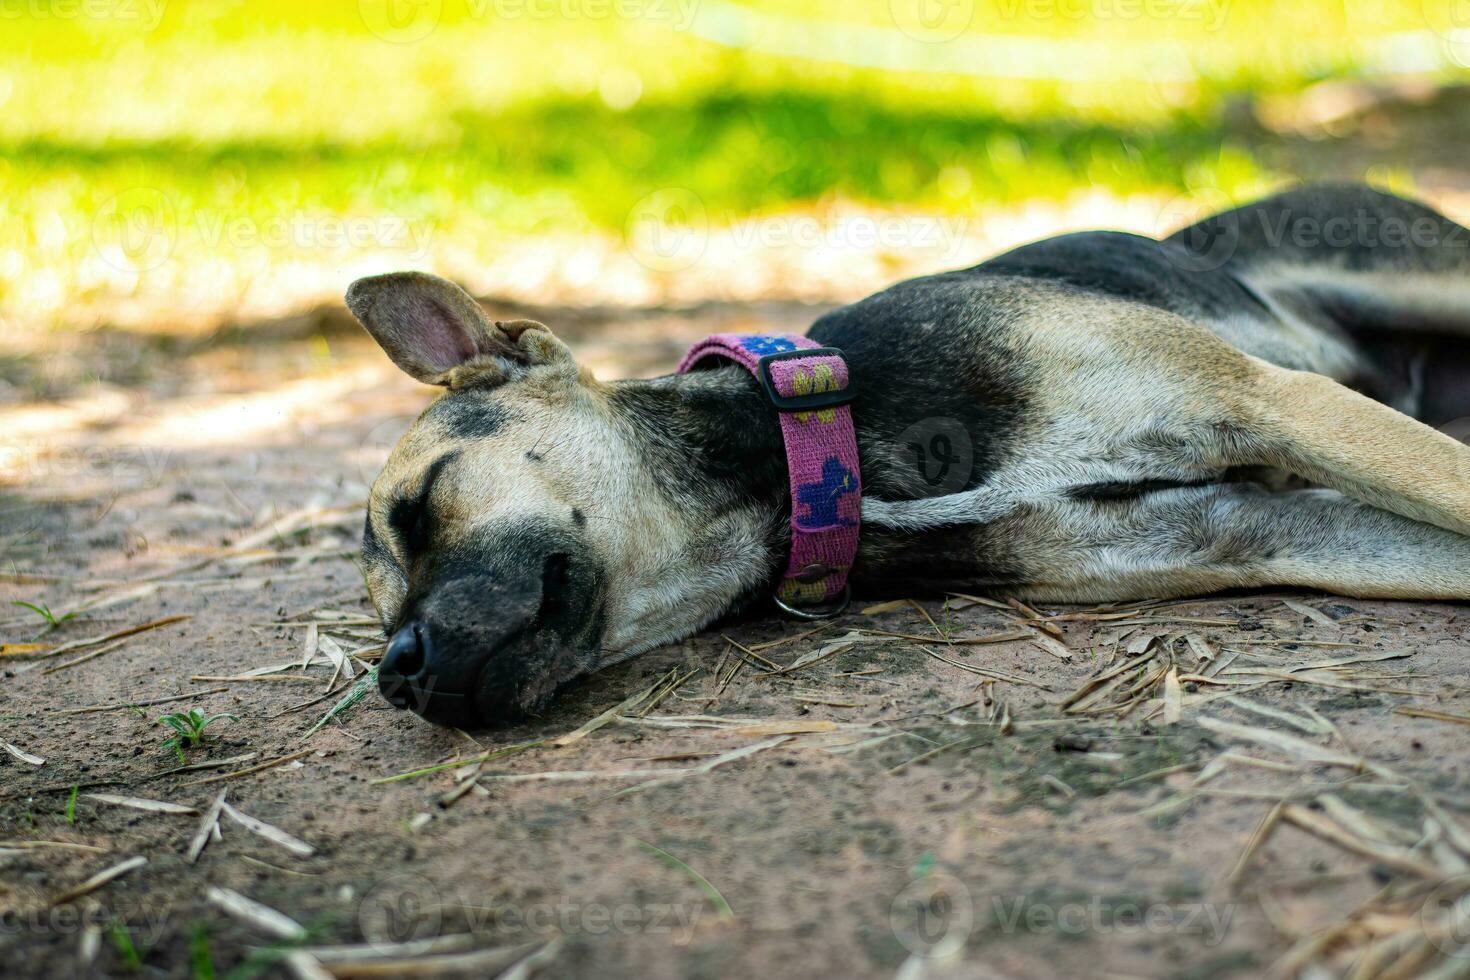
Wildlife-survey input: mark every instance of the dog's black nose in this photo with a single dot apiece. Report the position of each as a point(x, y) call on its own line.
point(416, 673)
point(403, 664)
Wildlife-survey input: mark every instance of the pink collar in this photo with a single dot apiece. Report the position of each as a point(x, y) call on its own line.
point(808, 385)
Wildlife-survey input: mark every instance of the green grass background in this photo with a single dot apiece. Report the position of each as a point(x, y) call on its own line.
point(508, 120)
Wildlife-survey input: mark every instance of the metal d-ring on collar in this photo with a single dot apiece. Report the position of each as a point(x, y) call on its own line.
point(832, 607)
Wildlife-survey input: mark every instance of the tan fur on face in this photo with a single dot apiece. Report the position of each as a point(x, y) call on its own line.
point(563, 449)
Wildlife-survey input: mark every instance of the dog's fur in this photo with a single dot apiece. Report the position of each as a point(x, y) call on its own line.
point(1251, 402)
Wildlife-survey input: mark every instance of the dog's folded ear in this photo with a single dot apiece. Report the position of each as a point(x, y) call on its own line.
point(437, 333)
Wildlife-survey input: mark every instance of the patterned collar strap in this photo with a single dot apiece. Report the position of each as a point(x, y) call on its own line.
point(808, 385)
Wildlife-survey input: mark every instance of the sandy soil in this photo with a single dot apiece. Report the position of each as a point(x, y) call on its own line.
point(893, 813)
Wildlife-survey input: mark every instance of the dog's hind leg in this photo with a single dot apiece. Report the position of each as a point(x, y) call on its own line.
point(1194, 540)
point(1318, 429)
point(1351, 264)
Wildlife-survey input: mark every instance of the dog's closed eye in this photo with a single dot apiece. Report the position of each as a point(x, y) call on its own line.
point(411, 517)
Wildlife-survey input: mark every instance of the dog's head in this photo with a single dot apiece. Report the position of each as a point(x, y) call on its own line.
point(516, 538)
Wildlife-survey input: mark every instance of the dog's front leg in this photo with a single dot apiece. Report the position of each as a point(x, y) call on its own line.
point(1194, 540)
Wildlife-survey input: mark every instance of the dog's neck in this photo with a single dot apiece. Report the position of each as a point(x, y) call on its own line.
point(713, 444)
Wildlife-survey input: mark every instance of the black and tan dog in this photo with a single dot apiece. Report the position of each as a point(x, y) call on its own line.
point(1251, 402)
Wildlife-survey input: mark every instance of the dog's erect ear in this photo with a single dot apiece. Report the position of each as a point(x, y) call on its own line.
point(438, 334)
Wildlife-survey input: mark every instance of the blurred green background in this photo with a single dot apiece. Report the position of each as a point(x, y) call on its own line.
point(172, 164)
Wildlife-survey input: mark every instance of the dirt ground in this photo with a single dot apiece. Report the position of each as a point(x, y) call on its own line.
point(1209, 789)
point(905, 805)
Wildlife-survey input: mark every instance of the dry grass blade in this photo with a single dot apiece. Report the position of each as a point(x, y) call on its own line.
point(986, 672)
point(457, 942)
point(252, 679)
point(672, 682)
point(1312, 613)
point(124, 705)
point(831, 649)
point(271, 833)
point(1173, 697)
point(84, 658)
point(766, 728)
point(474, 760)
point(1303, 724)
point(980, 600)
point(208, 827)
point(524, 968)
point(1358, 822)
point(480, 962)
point(1289, 744)
point(118, 635)
point(98, 880)
point(673, 775)
point(1433, 715)
point(607, 717)
point(22, 755)
point(304, 966)
point(1258, 839)
point(268, 764)
point(1366, 658)
point(23, 649)
point(1400, 859)
point(134, 803)
point(253, 913)
point(1051, 644)
point(22, 845)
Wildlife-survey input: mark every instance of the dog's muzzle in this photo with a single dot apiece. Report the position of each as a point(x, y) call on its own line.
point(465, 656)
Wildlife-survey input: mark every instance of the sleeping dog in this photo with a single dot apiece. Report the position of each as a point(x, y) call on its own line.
point(1251, 402)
